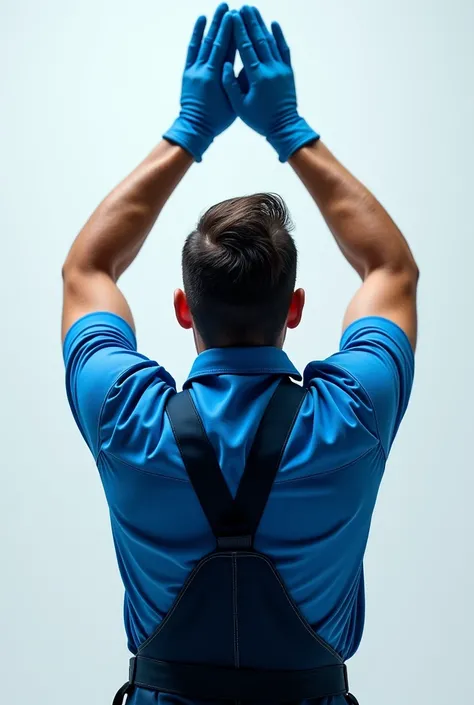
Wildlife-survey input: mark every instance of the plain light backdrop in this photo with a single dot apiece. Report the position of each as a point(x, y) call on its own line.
point(87, 88)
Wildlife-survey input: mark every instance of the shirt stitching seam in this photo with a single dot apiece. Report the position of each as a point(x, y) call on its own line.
point(333, 470)
point(138, 469)
point(277, 482)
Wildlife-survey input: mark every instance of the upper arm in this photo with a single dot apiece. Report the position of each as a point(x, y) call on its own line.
point(106, 377)
point(87, 291)
point(389, 294)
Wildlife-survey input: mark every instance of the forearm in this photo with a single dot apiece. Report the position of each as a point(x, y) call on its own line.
point(364, 231)
point(114, 234)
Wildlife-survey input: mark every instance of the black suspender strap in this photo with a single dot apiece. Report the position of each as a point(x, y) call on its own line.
point(200, 460)
point(266, 454)
point(237, 518)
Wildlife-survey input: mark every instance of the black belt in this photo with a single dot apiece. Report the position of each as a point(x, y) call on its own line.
point(221, 683)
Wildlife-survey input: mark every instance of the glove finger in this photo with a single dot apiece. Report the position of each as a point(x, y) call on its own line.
point(244, 44)
point(207, 44)
point(232, 48)
point(269, 36)
point(196, 39)
point(256, 34)
point(231, 87)
point(221, 44)
point(281, 43)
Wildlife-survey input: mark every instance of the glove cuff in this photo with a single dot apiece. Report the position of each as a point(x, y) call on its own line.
point(189, 136)
point(291, 136)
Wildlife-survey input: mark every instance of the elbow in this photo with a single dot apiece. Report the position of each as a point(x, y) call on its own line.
point(74, 268)
point(402, 265)
point(66, 269)
point(408, 268)
point(71, 270)
point(73, 277)
point(407, 274)
point(410, 279)
point(73, 263)
point(411, 270)
point(415, 273)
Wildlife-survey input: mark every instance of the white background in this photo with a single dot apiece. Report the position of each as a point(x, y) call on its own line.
point(87, 88)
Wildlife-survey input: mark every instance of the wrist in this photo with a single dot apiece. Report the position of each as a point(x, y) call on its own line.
point(290, 135)
point(190, 135)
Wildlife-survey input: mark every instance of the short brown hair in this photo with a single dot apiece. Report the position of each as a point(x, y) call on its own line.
point(239, 271)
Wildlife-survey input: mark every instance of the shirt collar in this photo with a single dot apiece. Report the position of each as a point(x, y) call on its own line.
point(243, 361)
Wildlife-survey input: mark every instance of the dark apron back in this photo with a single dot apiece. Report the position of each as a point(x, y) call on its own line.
point(233, 632)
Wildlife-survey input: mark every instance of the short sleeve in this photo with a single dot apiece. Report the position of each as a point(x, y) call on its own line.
point(99, 350)
point(378, 354)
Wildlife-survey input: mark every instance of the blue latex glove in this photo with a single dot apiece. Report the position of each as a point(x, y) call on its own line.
point(205, 108)
point(269, 106)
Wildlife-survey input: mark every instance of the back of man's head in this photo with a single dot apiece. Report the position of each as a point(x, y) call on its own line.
point(239, 271)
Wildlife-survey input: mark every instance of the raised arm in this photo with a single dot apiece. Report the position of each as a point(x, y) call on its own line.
point(113, 236)
point(367, 236)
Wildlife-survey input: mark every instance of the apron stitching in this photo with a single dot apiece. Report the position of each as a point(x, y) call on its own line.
point(303, 621)
point(184, 590)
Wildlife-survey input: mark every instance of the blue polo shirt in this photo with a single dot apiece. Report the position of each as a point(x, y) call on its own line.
point(317, 520)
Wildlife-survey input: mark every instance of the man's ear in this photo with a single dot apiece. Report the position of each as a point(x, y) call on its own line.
point(296, 308)
point(181, 309)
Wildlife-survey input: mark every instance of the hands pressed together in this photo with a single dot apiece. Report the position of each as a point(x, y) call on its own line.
point(263, 95)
